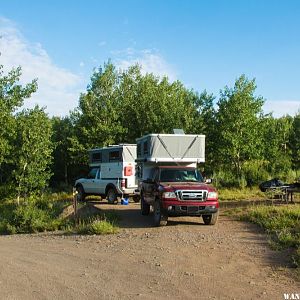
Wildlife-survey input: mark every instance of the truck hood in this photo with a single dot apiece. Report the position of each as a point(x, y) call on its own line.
point(173, 186)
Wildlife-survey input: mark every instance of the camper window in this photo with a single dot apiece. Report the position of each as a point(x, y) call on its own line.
point(146, 147)
point(139, 150)
point(97, 157)
point(114, 156)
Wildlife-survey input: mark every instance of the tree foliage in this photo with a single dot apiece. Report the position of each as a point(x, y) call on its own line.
point(238, 123)
point(295, 141)
point(33, 151)
point(12, 96)
point(120, 106)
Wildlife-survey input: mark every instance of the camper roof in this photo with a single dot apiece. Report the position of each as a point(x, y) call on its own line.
point(171, 148)
point(113, 146)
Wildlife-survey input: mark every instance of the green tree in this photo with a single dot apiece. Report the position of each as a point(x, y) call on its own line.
point(238, 123)
point(33, 151)
point(205, 123)
point(295, 142)
point(122, 106)
point(12, 96)
point(97, 119)
point(62, 160)
point(152, 104)
point(276, 150)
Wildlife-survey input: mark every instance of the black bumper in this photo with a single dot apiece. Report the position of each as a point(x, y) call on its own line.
point(184, 210)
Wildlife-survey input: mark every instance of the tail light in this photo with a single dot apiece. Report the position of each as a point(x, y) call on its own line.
point(123, 183)
point(128, 171)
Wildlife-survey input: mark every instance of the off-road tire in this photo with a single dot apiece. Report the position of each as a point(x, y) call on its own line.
point(111, 196)
point(145, 207)
point(210, 219)
point(159, 217)
point(136, 199)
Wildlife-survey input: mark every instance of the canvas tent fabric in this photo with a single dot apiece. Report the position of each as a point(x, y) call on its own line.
point(171, 148)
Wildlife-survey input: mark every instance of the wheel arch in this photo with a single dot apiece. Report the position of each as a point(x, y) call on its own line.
point(110, 186)
point(79, 185)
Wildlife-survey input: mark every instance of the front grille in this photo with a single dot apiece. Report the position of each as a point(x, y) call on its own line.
point(190, 195)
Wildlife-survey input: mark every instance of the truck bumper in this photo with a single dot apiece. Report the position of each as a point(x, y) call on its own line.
point(127, 192)
point(190, 209)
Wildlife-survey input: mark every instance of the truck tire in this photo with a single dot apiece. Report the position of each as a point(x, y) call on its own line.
point(210, 219)
point(159, 217)
point(145, 207)
point(111, 196)
point(81, 194)
point(136, 199)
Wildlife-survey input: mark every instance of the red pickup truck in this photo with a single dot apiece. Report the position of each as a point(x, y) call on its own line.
point(178, 191)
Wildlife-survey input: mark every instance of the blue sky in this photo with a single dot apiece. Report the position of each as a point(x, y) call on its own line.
point(204, 44)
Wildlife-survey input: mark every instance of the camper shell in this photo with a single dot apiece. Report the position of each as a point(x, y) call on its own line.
point(121, 153)
point(112, 172)
point(177, 148)
point(168, 149)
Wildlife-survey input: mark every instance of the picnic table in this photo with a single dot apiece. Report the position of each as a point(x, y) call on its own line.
point(284, 192)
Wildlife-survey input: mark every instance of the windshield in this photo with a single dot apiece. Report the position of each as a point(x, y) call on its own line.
point(180, 175)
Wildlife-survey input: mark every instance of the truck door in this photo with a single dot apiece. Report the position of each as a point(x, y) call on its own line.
point(99, 184)
point(150, 187)
point(90, 180)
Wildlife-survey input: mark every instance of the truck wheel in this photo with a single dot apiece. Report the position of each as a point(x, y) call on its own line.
point(159, 218)
point(111, 196)
point(210, 219)
point(136, 199)
point(81, 194)
point(145, 207)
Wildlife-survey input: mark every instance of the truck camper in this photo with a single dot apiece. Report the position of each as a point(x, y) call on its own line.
point(112, 173)
point(169, 179)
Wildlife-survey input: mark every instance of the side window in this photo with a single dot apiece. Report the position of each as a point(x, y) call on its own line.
point(97, 157)
point(92, 173)
point(99, 174)
point(155, 174)
point(139, 149)
point(146, 148)
point(114, 156)
point(139, 171)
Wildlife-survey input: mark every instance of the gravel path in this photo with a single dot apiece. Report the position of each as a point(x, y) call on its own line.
point(184, 260)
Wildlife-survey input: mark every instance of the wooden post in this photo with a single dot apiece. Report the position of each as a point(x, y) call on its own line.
point(75, 204)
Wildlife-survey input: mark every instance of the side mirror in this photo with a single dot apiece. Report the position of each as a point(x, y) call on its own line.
point(208, 180)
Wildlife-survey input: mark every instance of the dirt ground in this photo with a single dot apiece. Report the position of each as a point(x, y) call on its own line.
point(184, 260)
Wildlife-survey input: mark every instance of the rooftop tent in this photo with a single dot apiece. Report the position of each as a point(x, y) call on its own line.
point(171, 148)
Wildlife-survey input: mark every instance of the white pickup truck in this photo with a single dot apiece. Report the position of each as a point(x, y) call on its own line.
point(111, 175)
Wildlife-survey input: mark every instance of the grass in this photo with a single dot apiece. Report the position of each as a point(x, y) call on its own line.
point(33, 215)
point(54, 212)
point(281, 223)
point(96, 226)
point(240, 194)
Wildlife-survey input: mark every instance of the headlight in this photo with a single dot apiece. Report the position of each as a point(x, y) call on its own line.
point(212, 196)
point(169, 195)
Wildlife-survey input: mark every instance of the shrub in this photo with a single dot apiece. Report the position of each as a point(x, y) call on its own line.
point(7, 228)
point(255, 172)
point(30, 218)
point(96, 226)
point(229, 180)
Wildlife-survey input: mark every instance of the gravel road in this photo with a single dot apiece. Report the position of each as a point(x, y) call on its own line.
point(184, 260)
